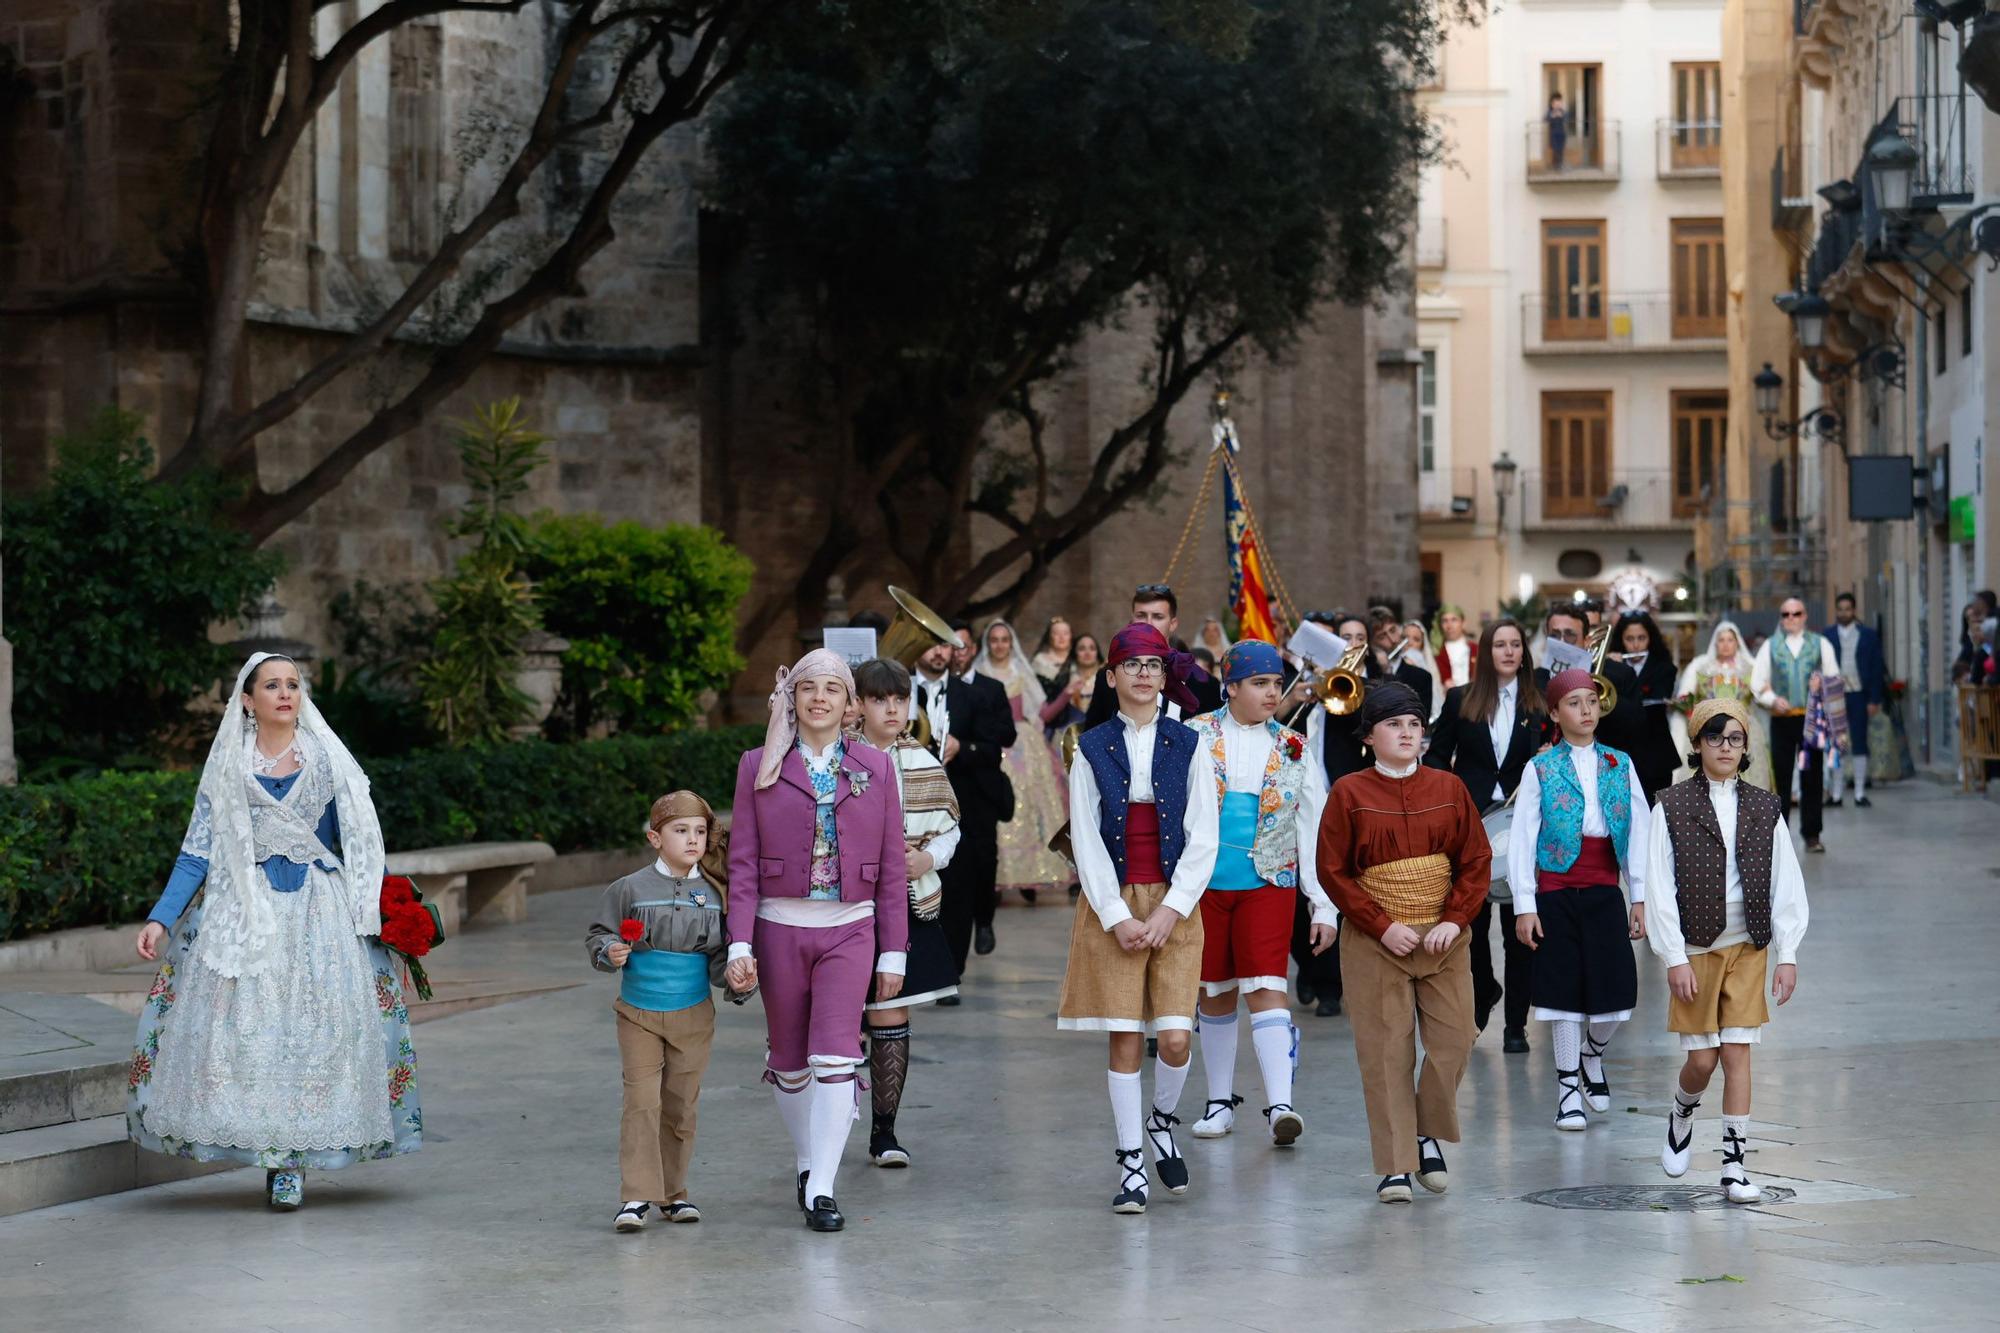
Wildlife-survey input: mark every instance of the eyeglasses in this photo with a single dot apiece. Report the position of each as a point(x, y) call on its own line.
point(1142, 666)
point(1791, 615)
point(1735, 740)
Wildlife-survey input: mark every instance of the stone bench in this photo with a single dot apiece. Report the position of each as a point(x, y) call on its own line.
point(476, 882)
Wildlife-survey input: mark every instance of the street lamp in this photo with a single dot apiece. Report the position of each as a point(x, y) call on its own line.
point(1767, 383)
point(1504, 468)
point(1809, 314)
point(1820, 423)
point(1892, 168)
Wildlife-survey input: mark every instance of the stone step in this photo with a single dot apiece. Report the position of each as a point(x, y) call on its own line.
point(81, 1160)
point(126, 992)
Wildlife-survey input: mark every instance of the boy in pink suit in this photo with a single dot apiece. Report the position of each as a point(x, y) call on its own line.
point(818, 889)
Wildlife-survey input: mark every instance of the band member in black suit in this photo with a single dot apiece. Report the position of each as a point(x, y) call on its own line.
point(971, 728)
point(1487, 733)
point(1624, 727)
point(1336, 741)
point(1644, 649)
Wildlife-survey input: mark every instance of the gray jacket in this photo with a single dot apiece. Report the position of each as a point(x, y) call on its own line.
point(680, 916)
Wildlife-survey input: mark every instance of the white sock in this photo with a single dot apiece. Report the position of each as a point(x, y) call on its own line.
point(832, 1117)
point(793, 1092)
point(1735, 1127)
point(1271, 1034)
point(1685, 1101)
point(1860, 762)
point(1218, 1055)
point(1566, 1040)
point(1168, 1080)
point(1601, 1031)
point(1125, 1108)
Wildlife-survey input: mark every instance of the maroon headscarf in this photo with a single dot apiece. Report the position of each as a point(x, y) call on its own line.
point(1143, 639)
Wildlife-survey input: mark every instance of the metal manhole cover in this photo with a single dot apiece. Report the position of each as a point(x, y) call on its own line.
point(1644, 1198)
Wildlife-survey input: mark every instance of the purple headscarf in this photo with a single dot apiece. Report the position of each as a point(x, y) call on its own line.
point(783, 731)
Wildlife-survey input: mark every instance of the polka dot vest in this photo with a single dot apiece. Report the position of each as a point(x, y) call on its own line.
point(1701, 868)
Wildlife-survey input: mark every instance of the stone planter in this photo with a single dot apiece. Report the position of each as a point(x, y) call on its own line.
point(540, 678)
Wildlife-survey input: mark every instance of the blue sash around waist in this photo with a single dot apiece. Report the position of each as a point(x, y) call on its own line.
point(1233, 867)
point(663, 981)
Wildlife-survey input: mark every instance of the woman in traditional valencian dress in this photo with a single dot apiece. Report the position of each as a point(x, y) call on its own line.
point(275, 1034)
point(1041, 796)
point(1723, 672)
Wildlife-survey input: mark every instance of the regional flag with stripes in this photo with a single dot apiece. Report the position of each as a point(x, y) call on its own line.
point(1249, 594)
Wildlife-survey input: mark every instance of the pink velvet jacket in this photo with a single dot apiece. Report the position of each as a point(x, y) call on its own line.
point(771, 842)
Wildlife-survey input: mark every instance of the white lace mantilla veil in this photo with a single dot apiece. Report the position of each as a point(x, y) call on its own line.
point(238, 925)
point(1017, 668)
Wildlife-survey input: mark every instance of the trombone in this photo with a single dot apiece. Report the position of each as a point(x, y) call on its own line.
point(1340, 688)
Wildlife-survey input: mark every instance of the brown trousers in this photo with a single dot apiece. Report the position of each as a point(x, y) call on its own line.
point(665, 1053)
point(1389, 1000)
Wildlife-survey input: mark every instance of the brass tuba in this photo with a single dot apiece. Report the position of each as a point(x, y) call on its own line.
point(914, 632)
point(1600, 645)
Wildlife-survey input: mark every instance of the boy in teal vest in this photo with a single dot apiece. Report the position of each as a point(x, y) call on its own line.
point(1271, 795)
point(1580, 821)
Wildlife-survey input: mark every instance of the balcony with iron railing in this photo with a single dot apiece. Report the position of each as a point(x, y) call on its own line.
point(1430, 241)
point(1688, 150)
point(1587, 322)
point(1448, 495)
point(1586, 153)
point(1592, 499)
point(1936, 124)
point(1791, 210)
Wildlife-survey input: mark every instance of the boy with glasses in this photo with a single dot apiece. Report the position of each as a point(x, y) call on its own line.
point(1727, 890)
point(1791, 667)
point(1143, 822)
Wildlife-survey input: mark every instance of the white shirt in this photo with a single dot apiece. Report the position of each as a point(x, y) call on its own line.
point(935, 709)
point(1788, 891)
point(822, 913)
point(1760, 670)
point(1527, 830)
point(1458, 652)
point(1097, 872)
point(1246, 751)
point(1500, 728)
point(1850, 653)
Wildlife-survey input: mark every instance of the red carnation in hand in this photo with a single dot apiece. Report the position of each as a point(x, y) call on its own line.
point(396, 889)
point(408, 930)
point(631, 930)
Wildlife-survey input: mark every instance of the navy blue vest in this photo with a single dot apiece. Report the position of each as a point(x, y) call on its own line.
point(1174, 746)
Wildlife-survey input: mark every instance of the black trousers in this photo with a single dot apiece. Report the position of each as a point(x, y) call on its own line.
point(965, 890)
point(1321, 973)
point(1787, 733)
point(1515, 956)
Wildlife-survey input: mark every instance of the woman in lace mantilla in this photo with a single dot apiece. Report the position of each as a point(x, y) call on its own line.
point(275, 1034)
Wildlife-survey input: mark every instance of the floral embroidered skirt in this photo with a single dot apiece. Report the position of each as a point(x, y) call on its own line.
point(307, 1065)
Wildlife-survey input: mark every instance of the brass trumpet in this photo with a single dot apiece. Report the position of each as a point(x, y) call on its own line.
point(1600, 645)
point(1341, 689)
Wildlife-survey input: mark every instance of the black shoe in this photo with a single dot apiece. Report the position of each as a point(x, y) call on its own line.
point(982, 941)
point(802, 1190)
point(1167, 1159)
point(1863, 803)
point(883, 1150)
point(1028, 896)
point(1131, 1196)
point(949, 1001)
point(1833, 804)
point(825, 1216)
point(1394, 1189)
point(1815, 845)
point(1515, 1042)
point(1430, 1166)
point(1306, 993)
point(1329, 1007)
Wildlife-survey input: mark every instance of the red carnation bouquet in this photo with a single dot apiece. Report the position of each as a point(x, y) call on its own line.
point(411, 928)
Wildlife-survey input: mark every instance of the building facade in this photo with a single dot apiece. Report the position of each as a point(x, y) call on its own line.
point(1867, 170)
point(1573, 304)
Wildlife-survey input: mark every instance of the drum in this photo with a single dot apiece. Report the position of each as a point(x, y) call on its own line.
point(1499, 823)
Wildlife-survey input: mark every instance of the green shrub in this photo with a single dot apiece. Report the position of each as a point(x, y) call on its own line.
point(650, 615)
point(112, 580)
point(97, 850)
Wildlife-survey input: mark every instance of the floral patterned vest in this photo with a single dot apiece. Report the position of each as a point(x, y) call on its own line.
point(1562, 805)
point(1275, 852)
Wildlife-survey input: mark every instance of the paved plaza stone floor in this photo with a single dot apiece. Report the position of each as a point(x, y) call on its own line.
point(1876, 1104)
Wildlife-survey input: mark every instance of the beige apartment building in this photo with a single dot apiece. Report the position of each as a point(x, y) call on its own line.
point(1573, 306)
point(1862, 206)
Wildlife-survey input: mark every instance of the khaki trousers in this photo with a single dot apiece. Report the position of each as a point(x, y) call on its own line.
point(1389, 1000)
point(665, 1053)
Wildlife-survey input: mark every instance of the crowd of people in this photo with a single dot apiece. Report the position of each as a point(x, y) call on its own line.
point(1212, 820)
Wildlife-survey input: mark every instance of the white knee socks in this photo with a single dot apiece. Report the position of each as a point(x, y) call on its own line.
point(793, 1092)
point(1566, 1039)
point(833, 1113)
point(1601, 1031)
point(1125, 1107)
point(1218, 1055)
point(1271, 1034)
point(1168, 1080)
point(1860, 763)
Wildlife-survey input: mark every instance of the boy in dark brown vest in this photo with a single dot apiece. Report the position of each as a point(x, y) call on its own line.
point(1726, 889)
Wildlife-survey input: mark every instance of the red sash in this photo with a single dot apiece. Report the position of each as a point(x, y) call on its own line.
point(1142, 844)
point(1596, 863)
